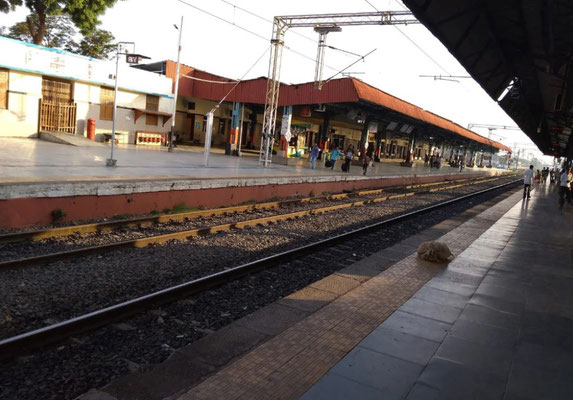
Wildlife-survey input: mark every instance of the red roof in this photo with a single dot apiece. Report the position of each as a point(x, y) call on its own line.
point(344, 90)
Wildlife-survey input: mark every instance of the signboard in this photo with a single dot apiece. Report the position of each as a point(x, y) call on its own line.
point(373, 127)
point(132, 58)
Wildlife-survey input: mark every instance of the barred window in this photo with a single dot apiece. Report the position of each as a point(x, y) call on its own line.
point(152, 104)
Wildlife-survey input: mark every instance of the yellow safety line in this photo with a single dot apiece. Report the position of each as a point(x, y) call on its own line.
point(110, 226)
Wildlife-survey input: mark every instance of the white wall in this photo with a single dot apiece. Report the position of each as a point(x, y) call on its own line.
point(27, 63)
point(21, 117)
point(87, 98)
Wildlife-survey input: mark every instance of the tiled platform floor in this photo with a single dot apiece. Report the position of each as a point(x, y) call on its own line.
point(329, 344)
point(496, 324)
point(31, 160)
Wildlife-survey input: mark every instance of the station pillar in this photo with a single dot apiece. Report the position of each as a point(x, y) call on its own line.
point(231, 145)
point(324, 130)
point(364, 137)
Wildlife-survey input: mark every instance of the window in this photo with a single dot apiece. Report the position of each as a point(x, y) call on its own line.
point(3, 89)
point(106, 104)
point(221, 129)
point(56, 91)
point(151, 104)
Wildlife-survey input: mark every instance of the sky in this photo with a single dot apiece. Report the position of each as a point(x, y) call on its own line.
point(227, 49)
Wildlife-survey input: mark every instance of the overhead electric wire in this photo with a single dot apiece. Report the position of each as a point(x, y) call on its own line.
point(265, 19)
point(243, 77)
point(344, 69)
point(249, 31)
point(181, 75)
point(294, 32)
point(412, 41)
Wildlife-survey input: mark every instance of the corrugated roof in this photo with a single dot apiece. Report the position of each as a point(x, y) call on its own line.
point(377, 96)
point(344, 90)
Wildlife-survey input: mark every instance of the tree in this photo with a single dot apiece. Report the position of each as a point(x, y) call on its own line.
point(98, 44)
point(60, 34)
point(59, 31)
point(83, 13)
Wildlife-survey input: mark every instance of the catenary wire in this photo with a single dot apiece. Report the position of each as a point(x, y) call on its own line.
point(249, 31)
point(412, 41)
point(346, 52)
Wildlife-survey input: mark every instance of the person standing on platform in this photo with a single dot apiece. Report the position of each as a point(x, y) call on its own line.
point(564, 187)
point(551, 176)
point(334, 157)
point(348, 158)
point(527, 181)
point(426, 160)
point(462, 165)
point(314, 155)
point(544, 174)
point(365, 163)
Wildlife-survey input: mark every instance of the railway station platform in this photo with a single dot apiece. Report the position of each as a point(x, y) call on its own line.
point(37, 177)
point(494, 323)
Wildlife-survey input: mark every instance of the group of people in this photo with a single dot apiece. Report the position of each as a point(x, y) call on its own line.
point(433, 161)
point(336, 154)
point(563, 177)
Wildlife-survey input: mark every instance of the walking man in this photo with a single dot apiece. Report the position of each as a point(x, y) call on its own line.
point(334, 157)
point(348, 158)
point(314, 155)
point(527, 181)
point(564, 188)
point(365, 163)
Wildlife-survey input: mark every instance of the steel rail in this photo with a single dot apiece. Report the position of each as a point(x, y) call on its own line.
point(24, 343)
point(185, 234)
point(109, 226)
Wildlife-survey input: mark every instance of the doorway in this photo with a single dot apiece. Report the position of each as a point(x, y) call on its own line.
point(57, 108)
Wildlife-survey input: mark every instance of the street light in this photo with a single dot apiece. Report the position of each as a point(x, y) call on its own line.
point(131, 58)
point(180, 29)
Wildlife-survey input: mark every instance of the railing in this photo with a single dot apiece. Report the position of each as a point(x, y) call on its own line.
point(58, 117)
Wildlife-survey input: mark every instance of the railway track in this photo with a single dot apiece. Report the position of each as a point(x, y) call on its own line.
point(108, 226)
point(26, 342)
point(155, 239)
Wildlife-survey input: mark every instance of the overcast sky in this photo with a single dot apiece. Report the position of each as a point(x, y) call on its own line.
point(219, 47)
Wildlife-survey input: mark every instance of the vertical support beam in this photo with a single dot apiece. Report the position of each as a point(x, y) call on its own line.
point(324, 130)
point(379, 136)
point(364, 136)
point(272, 95)
point(208, 136)
point(285, 131)
point(231, 146)
point(319, 59)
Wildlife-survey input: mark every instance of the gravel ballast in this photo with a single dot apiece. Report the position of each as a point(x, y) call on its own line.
point(62, 290)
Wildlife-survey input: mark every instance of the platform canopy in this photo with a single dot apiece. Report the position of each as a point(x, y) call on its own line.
point(342, 94)
point(520, 52)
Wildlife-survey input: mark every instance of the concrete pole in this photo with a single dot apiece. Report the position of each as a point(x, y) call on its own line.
point(208, 135)
point(111, 162)
point(176, 87)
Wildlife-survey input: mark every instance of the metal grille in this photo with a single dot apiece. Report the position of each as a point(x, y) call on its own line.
point(56, 91)
point(57, 117)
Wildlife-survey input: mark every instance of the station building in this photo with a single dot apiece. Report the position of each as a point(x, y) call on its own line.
point(344, 112)
point(50, 90)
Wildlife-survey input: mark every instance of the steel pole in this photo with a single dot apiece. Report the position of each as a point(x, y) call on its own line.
point(110, 161)
point(241, 129)
point(208, 136)
point(178, 70)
